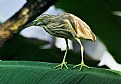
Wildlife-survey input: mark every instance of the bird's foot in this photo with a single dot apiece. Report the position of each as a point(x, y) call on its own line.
point(60, 66)
point(81, 65)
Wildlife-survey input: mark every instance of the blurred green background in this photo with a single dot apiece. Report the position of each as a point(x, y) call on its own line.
point(96, 13)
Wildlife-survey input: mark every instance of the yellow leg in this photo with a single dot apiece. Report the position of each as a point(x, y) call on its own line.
point(60, 66)
point(82, 60)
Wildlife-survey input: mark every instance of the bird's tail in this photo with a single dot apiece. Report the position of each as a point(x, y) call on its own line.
point(93, 37)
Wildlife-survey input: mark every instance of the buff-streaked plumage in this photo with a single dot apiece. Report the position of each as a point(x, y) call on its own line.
point(68, 26)
point(82, 29)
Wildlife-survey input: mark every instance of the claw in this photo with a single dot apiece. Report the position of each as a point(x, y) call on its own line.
point(81, 65)
point(60, 66)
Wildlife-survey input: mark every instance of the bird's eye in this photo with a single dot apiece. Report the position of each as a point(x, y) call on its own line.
point(38, 19)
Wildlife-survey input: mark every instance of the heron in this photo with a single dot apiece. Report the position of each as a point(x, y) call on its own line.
point(67, 26)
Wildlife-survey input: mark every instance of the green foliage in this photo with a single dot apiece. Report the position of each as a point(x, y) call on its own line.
point(30, 72)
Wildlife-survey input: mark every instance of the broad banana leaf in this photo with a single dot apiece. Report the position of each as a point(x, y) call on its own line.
point(31, 72)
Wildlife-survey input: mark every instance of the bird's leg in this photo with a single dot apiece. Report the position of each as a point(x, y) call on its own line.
point(63, 62)
point(82, 60)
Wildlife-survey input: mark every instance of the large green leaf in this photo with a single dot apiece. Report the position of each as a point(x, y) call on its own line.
point(28, 72)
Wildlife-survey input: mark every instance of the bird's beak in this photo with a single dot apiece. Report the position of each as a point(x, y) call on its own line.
point(33, 23)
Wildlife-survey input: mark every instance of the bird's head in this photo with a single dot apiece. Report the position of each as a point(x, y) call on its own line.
point(41, 20)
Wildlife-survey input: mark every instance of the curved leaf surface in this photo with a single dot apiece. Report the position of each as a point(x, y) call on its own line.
point(28, 72)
